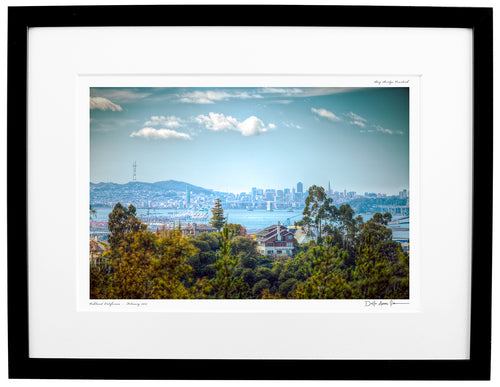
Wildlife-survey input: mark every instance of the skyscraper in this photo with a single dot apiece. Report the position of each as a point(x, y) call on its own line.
point(287, 194)
point(300, 187)
point(270, 194)
point(254, 194)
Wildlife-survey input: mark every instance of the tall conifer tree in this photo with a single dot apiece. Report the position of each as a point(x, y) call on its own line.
point(217, 220)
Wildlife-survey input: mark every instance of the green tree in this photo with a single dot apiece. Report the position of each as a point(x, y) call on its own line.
point(316, 210)
point(217, 220)
point(243, 245)
point(128, 258)
point(225, 283)
point(92, 212)
point(263, 272)
point(246, 261)
point(373, 272)
point(100, 282)
point(142, 265)
point(259, 288)
point(236, 229)
point(344, 218)
point(211, 239)
point(248, 276)
point(287, 289)
point(121, 221)
point(131, 265)
point(377, 231)
point(382, 235)
point(169, 269)
point(400, 281)
point(297, 268)
point(327, 279)
point(382, 219)
point(204, 258)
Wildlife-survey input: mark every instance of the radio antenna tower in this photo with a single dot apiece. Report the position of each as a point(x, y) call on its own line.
point(134, 169)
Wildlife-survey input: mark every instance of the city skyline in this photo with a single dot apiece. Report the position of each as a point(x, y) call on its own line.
point(233, 139)
point(328, 188)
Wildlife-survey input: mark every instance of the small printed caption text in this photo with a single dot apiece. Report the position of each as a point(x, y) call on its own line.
point(111, 304)
point(396, 82)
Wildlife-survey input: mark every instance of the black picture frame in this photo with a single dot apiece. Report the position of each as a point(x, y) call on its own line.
point(480, 20)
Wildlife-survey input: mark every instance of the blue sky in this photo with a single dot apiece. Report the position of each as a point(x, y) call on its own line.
point(233, 139)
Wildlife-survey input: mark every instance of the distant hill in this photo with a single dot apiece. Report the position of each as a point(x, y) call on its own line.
point(159, 186)
point(178, 186)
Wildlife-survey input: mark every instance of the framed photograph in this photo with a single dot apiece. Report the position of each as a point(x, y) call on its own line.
point(299, 195)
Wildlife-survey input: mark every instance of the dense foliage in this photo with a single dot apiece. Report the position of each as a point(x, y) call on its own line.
point(349, 259)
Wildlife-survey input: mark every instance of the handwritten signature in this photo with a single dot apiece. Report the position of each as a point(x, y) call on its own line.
point(384, 303)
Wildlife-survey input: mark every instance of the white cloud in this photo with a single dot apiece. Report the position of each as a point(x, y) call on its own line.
point(252, 126)
point(378, 128)
point(160, 134)
point(356, 120)
point(110, 124)
point(203, 97)
point(355, 117)
point(104, 104)
point(283, 91)
point(215, 95)
point(359, 123)
point(383, 130)
point(305, 91)
point(167, 122)
point(291, 125)
point(212, 96)
point(119, 95)
point(216, 121)
point(326, 114)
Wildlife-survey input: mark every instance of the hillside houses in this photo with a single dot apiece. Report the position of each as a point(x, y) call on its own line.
point(275, 240)
point(193, 230)
point(96, 249)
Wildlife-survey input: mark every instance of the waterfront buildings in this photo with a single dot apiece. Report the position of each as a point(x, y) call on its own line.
point(178, 195)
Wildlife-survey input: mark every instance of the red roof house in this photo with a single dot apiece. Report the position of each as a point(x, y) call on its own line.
point(275, 240)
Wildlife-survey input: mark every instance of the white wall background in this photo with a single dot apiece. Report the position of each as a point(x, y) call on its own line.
point(3, 227)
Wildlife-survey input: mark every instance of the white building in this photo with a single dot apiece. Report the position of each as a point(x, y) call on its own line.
point(275, 240)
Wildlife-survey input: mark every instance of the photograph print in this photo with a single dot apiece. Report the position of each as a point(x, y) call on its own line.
point(249, 193)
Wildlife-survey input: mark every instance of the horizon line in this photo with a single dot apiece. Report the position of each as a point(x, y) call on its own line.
point(238, 191)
